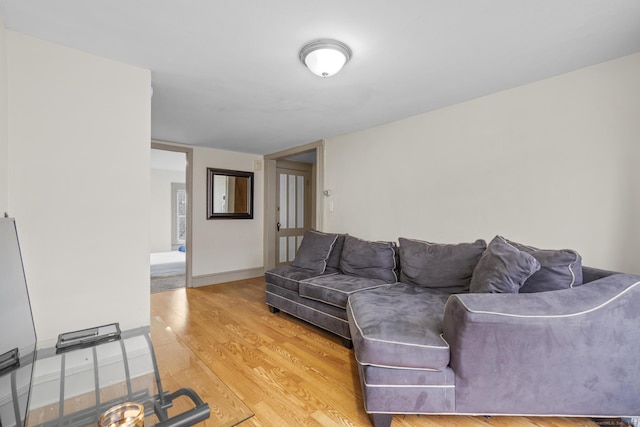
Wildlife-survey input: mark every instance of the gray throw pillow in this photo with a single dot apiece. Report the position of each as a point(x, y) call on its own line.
point(373, 260)
point(502, 268)
point(434, 265)
point(333, 262)
point(314, 251)
point(559, 269)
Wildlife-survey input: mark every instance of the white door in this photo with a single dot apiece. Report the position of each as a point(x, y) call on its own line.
point(293, 204)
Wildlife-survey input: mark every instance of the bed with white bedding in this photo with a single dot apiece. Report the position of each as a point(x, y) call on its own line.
point(167, 264)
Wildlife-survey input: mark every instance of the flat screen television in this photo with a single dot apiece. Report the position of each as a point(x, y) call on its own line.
point(17, 330)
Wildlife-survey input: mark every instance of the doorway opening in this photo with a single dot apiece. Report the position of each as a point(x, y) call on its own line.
point(170, 217)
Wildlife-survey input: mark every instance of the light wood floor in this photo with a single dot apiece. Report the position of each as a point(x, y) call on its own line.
point(287, 372)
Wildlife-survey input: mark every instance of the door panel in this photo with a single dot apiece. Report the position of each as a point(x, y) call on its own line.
point(178, 214)
point(294, 212)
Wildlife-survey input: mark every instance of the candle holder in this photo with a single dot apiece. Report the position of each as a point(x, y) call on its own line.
point(128, 414)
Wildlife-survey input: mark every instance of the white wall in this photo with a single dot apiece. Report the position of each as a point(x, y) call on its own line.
point(4, 138)
point(161, 208)
point(225, 245)
point(552, 164)
point(79, 132)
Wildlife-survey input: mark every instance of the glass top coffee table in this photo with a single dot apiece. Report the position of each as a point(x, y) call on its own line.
point(75, 386)
point(92, 370)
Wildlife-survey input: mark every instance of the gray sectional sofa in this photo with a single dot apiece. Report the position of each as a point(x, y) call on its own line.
point(471, 328)
point(328, 268)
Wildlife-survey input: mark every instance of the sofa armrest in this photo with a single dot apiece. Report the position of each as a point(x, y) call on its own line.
point(568, 302)
point(570, 352)
point(589, 274)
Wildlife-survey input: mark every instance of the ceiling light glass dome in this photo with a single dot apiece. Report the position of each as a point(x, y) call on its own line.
point(325, 57)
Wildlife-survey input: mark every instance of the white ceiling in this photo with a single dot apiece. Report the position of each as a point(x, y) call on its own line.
point(226, 73)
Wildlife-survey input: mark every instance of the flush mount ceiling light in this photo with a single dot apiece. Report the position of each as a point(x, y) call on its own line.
point(325, 57)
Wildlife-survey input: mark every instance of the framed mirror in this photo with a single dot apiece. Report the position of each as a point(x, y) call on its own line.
point(229, 194)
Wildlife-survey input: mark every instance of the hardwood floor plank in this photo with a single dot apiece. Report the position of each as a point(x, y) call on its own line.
point(314, 373)
point(286, 371)
point(180, 367)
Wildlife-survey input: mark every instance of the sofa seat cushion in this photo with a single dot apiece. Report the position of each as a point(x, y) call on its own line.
point(399, 326)
point(413, 391)
point(289, 277)
point(328, 317)
point(335, 289)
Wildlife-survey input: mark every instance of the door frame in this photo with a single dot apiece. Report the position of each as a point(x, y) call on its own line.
point(270, 182)
point(167, 146)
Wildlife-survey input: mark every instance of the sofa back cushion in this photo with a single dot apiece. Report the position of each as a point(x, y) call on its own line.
point(502, 268)
point(559, 269)
point(314, 251)
point(336, 253)
point(374, 260)
point(443, 266)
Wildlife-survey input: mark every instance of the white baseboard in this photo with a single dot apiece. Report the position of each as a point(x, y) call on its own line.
point(227, 276)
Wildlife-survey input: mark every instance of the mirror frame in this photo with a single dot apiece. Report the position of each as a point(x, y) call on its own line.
point(226, 172)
